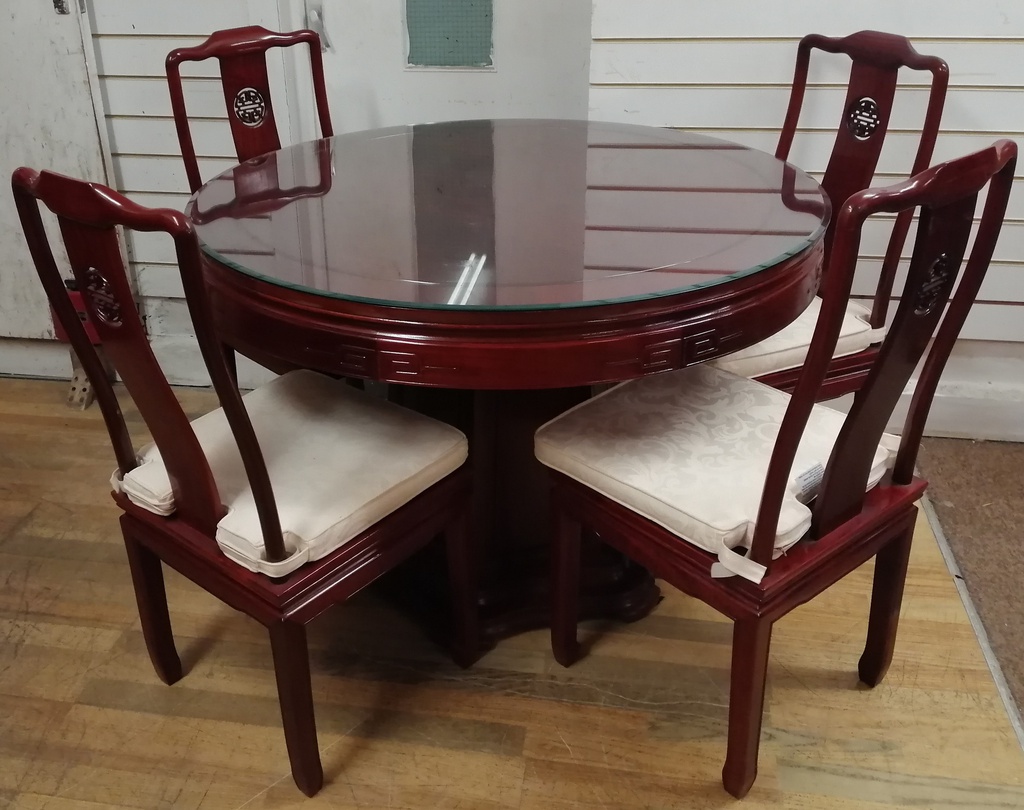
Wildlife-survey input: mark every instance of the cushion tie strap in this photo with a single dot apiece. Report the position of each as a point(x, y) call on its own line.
point(731, 563)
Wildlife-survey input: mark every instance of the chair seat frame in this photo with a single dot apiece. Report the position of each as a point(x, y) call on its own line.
point(286, 605)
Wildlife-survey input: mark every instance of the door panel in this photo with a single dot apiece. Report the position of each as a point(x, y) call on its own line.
point(49, 122)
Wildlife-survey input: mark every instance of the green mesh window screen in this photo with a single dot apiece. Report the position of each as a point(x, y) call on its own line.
point(449, 33)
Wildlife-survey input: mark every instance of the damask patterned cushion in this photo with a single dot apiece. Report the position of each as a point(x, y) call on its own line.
point(339, 461)
point(788, 348)
point(689, 450)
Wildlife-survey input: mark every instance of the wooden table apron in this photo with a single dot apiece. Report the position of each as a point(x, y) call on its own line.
point(500, 374)
point(508, 349)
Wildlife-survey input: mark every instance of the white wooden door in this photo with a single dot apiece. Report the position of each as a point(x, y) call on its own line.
point(49, 122)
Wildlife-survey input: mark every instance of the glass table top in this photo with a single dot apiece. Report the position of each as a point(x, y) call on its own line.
point(508, 214)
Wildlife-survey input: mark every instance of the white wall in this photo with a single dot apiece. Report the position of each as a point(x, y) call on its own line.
point(725, 69)
point(541, 57)
point(541, 53)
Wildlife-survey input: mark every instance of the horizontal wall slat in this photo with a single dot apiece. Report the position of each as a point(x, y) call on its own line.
point(148, 96)
point(653, 209)
point(625, 249)
point(166, 316)
point(158, 281)
point(142, 55)
point(811, 149)
point(191, 17)
point(175, 201)
point(743, 18)
point(717, 61)
point(153, 173)
point(986, 321)
point(739, 107)
point(876, 231)
point(994, 322)
point(1001, 284)
point(633, 170)
point(671, 168)
point(632, 249)
point(706, 62)
point(150, 247)
point(155, 248)
point(157, 136)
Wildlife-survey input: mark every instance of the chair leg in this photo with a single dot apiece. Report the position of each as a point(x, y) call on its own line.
point(565, 588)
point(464, 588)
point(291, 667)
point(750, 641)
point(886, 597)
point(151, 598)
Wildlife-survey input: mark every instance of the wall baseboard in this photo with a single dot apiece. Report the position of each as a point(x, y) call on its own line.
point(982, 419)
point(45, 359)
point(981, 395)
point(178, 356)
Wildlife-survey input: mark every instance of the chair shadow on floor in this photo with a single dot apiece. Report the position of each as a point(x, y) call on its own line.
point(383, 651)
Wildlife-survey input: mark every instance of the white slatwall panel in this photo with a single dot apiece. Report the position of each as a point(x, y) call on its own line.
point(725, 68)
point(737, 19)
point(131, 41)
point(740, 107)
point(713, 61)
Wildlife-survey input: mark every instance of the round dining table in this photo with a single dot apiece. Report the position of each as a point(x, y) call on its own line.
point(493, 272)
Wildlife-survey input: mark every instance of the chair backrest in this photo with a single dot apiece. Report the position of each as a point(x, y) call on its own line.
point(257, 190)
point(946, 196)
point(242, 54)
point(88, 215)
point(876, 59)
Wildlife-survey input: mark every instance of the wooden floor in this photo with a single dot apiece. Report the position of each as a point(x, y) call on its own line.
point(84, 722)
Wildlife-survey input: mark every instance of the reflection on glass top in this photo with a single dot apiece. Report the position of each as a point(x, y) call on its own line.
point(508, 214)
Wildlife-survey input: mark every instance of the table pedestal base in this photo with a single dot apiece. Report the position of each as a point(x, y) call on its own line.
point(511, 519)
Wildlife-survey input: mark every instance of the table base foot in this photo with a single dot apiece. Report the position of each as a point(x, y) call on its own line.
point(614, 588)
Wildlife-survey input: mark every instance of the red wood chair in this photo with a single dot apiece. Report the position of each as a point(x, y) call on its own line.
point(677, 470)
point(876, 59)
point(243, 70)
point(282, 502)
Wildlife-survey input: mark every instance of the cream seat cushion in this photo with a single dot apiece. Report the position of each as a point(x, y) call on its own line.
point(689, 450)
point(788, 347)
point(339, 461)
